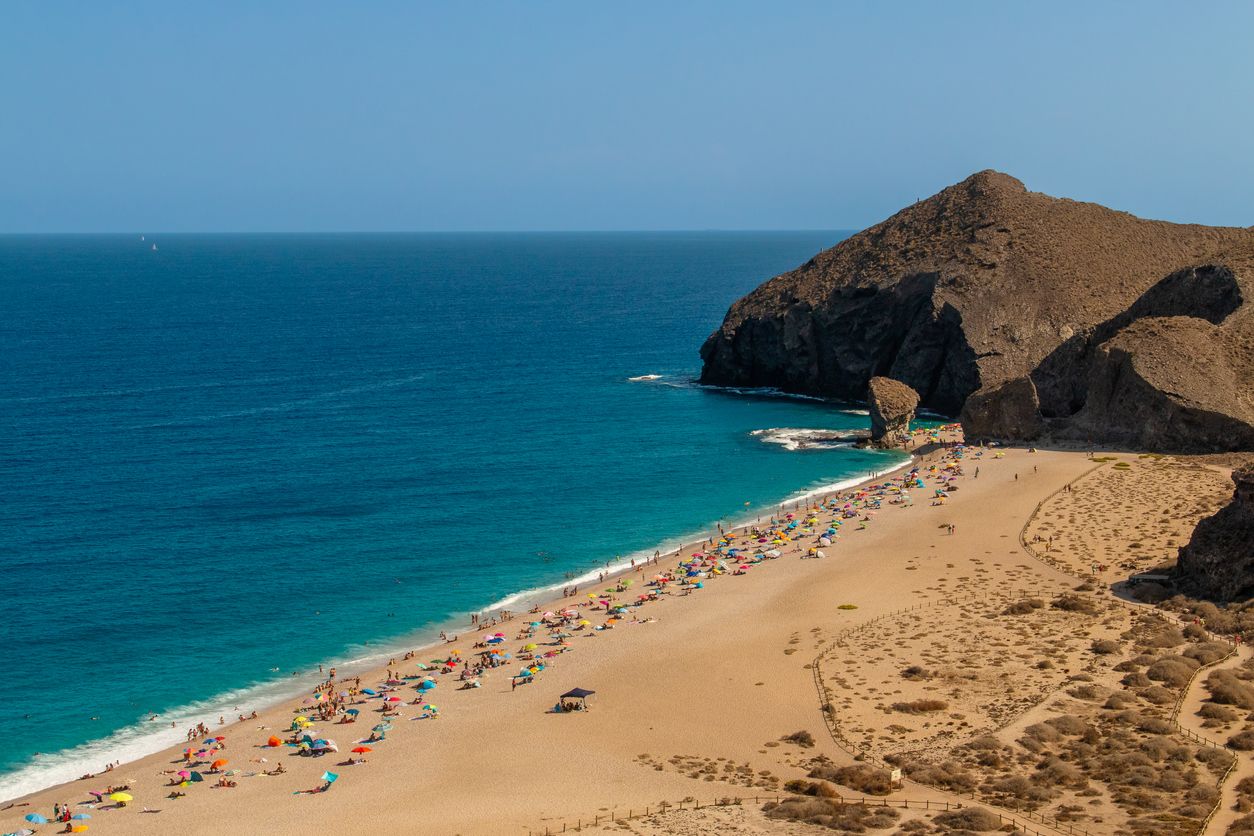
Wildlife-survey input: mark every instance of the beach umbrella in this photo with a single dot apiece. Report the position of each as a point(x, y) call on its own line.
point(329, 777)
point(35, 818)
point(218, 764)
point(393, 699)
point(273, 742)
point(361, 750)
point(429, 707)
point(196, 777)
point(426, 685)
point(530, 646)
point(81, 816)
point(121, 796)
point(183, 773)
point(370, 692)
point(352, 711)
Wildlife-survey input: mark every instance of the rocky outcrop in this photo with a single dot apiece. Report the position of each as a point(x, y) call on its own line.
point(1218, 562)
point(1011, 410)
point(892, 405)
point(1060, 318)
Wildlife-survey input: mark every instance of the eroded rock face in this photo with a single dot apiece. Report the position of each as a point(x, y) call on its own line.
point(1009, 411)
point(892, 405)
point(1059, 317)
point(1218, 562)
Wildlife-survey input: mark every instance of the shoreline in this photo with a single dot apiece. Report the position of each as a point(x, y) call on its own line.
point(135, 742)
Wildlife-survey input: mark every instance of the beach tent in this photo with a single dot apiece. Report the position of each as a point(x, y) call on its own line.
point(580, 694)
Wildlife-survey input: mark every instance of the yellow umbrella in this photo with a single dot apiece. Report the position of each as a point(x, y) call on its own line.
point(530, 646)
point(121, 796)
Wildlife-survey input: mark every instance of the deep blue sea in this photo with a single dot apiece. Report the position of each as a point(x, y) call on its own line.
point(235, 457)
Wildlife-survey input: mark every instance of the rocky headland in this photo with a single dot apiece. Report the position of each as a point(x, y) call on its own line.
point(1028, 315)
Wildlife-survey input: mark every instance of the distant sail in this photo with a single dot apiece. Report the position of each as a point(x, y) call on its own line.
point(154, 246)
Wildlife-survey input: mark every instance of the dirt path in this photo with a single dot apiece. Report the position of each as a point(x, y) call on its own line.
point(1225, 814)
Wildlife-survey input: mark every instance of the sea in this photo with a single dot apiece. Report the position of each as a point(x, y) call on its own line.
point(227, 459)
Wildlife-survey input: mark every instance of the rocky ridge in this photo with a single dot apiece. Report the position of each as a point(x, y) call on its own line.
point(1029, 315)
point(1218, 561)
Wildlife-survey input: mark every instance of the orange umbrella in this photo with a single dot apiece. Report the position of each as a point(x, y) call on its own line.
point(361, 750)
point(274, 741)
point(218, 764)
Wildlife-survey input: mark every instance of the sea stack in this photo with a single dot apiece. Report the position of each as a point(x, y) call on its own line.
point(1062, 318)
point(1218, 562)
point(892, 405)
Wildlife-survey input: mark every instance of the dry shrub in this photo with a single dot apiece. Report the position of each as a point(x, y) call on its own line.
point(861, 777)
point(1087, 692)
point(915, 673)
point(1137, 680)
point(1017, 792)
point(1227, 689)
point(1216, 760)
point(983, 743)
point(1216, 620)
point(1055, 771)
point(1196, 631)
point(1068, 724)
point(1157, 695)
point(1211, 711)
point(949, 775)
point(919, 706)
point(1105, 647)
point(1118, 702)
point(1206, 653)
point(1023, 607)
point(826, 812)
point(975, 819)
point(1166, 637)
point(1074, 603)
point(801, 738)
point(1174, 673)
point(1242, 741)
point(1243, 826)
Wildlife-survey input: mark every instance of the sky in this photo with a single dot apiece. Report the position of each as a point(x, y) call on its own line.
point(309, 116)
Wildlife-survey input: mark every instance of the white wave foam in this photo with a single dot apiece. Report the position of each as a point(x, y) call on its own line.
point(133, 742)
point(797, 438)
point(641, 377)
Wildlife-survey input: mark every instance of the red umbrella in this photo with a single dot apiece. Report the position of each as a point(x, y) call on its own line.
point(361, 750)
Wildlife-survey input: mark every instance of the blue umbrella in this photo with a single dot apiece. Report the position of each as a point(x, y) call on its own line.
point(80, 816)
point(329, 777)
point(353, 712)
point(371, 693)
point(426, 685)
point(35, 818)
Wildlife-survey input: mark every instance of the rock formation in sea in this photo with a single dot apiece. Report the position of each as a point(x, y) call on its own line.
point(1042, 316)
point(1218, 562)
point(891, 404)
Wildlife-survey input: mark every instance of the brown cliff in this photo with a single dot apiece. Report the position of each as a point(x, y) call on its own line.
point(1218, 562)
point(985, 284)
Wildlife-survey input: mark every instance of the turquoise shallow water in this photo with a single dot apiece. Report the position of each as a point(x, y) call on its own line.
point(243, 453)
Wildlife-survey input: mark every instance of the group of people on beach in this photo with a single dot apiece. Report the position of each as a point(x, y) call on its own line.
point(805, 527)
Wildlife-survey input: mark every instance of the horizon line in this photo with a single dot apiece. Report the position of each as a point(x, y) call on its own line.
point(10, 234)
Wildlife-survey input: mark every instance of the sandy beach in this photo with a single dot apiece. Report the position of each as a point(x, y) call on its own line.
point(694, 699)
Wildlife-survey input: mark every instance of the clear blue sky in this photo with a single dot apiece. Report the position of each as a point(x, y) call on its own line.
point(585, 115)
